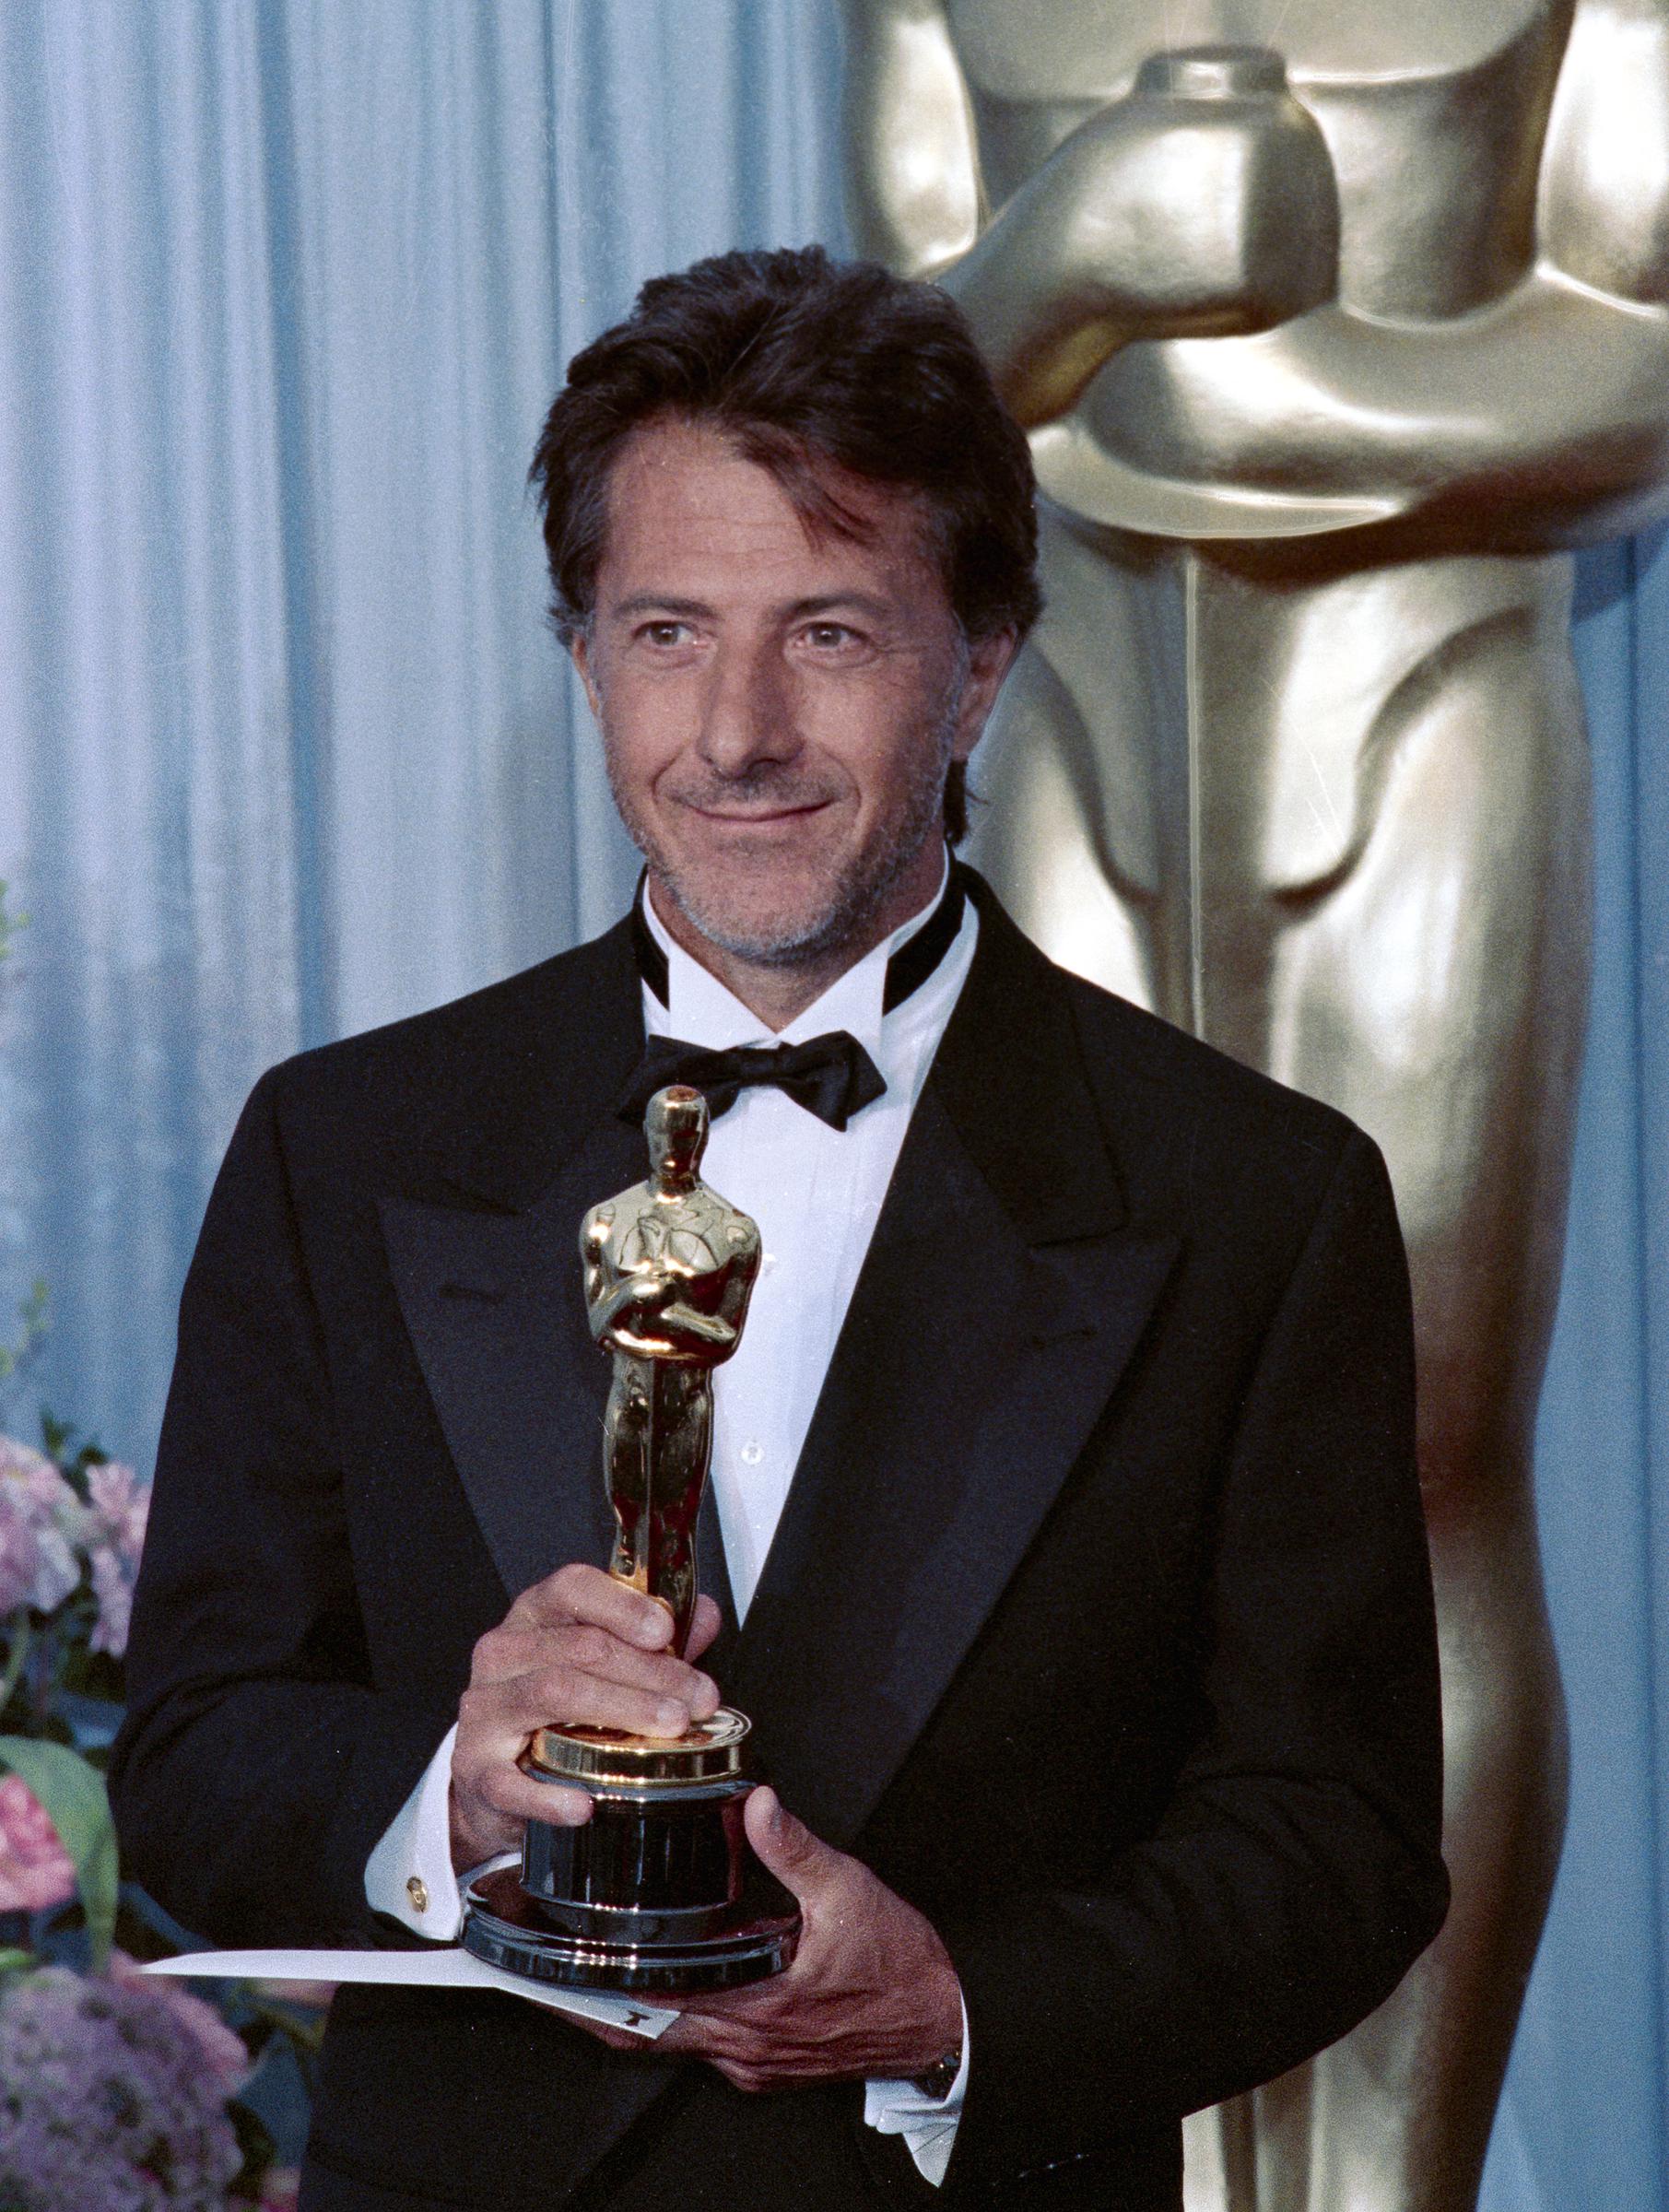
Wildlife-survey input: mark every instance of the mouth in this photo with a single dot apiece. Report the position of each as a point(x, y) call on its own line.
point(756, 818)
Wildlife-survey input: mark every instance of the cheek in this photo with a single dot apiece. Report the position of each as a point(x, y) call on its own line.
point(905, 760)
point(875, 735)
point(645, 727)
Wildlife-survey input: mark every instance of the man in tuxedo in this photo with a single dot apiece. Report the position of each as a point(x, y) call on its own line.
point(1064, 1521)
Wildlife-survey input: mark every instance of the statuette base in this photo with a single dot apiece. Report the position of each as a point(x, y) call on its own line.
point(658, 1891)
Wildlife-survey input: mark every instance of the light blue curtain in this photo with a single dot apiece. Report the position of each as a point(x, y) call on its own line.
point(1587, 2107)
point(286, 748)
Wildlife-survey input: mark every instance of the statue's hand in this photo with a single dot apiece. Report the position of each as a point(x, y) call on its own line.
point(1162, 215)
point(652, 1288)
point(1197, 217)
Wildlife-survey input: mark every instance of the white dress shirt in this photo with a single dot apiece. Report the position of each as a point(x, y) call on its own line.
point(817, 1194)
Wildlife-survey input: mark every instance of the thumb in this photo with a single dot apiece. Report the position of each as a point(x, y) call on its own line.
point(786, 1846)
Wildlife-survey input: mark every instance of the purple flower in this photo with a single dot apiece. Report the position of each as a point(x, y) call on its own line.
point(222, 2050)
point(114, 1588)
point(120, 1505)
point(116, 1519)
point(106, 2102)
point(36, 1501)
point(19, 1553)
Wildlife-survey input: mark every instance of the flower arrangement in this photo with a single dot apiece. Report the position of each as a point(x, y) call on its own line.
point(118, 2092)
point(114, 2099)
point(70, 1540)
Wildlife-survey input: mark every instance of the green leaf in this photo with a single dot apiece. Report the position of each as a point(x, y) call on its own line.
point(15, 1963)
point(74, 1794)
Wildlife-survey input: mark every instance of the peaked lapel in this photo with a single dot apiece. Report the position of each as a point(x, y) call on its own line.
point(1002, 1297)
point(496, 1314)
point(493, 1299)
point(491, 1293)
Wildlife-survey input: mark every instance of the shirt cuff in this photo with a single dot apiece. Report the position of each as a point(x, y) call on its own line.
point(928, 2125)
point(410, 1874)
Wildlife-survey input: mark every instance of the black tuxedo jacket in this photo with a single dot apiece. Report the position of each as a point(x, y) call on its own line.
point(1097, 1622)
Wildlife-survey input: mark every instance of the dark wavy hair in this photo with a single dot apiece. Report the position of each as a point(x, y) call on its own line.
point(805, 361)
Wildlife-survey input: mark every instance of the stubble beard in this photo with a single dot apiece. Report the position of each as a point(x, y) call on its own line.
point(859, 887)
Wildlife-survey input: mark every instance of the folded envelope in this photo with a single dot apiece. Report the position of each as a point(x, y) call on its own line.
point(448, 1967)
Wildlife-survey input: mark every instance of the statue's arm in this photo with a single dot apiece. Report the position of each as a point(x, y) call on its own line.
point(912, 167)
point(1544, 416)
point(693, 1330)
point(914, 200)
point(739, 1282)
point(645, 1290)
point(1092, 249)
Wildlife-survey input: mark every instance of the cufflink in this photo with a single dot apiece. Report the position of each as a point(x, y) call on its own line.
point(418, 1892)
point(941, 2077)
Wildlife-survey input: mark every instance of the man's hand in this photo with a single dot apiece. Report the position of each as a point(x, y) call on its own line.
point(871, 1994)
point(578, 1646)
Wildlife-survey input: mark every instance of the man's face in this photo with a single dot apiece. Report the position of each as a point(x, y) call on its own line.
point(778, 710)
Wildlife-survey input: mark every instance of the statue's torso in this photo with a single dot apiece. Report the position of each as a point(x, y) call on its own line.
point(706, 1239)
point(1433, 111)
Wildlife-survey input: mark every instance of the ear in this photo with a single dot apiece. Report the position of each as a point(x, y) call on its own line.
point(578, 649)
point(989, 660)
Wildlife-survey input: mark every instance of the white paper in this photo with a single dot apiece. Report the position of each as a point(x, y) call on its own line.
point(448, 1967)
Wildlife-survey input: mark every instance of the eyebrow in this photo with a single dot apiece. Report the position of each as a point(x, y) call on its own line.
point(646, 603)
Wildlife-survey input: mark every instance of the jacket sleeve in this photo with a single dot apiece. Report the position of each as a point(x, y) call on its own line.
point(1295, 1874)
point(258, 1763)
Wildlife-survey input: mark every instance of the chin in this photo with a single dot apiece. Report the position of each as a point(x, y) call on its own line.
point(781, 909)
point(769, 931)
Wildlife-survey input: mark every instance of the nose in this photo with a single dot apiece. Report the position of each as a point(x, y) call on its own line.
point(748, 716)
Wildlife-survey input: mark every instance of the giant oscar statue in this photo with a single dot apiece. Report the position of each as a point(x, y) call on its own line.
point(1335, 322)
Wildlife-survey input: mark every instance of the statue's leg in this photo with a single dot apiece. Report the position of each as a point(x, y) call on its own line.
point(1069, 820)
point(683, 1427)
point(626, 1465)
point(1341, 830)
point(1437, 992)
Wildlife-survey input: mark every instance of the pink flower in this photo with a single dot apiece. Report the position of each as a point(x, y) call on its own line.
point(121, 1505)
point(281, 2188)
point(223, 2053)
point(34, 1475)
point(35, 1869)
point(114, 1588)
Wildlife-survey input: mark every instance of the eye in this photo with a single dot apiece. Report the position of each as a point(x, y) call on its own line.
point(830, 637)
point(666, 634)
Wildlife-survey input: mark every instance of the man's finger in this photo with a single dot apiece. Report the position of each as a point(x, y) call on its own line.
point(516, 1798)
point(587, 1593)
point(528, 1655)
point(787, 1847)
point(617, 2039)
point(713, 2035)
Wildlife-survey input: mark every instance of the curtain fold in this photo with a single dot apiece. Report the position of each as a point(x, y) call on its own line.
point(287, 749)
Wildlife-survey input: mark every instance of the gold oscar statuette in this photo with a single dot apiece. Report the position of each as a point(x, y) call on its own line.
point(659, 1889)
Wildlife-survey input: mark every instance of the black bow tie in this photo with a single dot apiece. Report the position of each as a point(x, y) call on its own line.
point(830, 1076)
